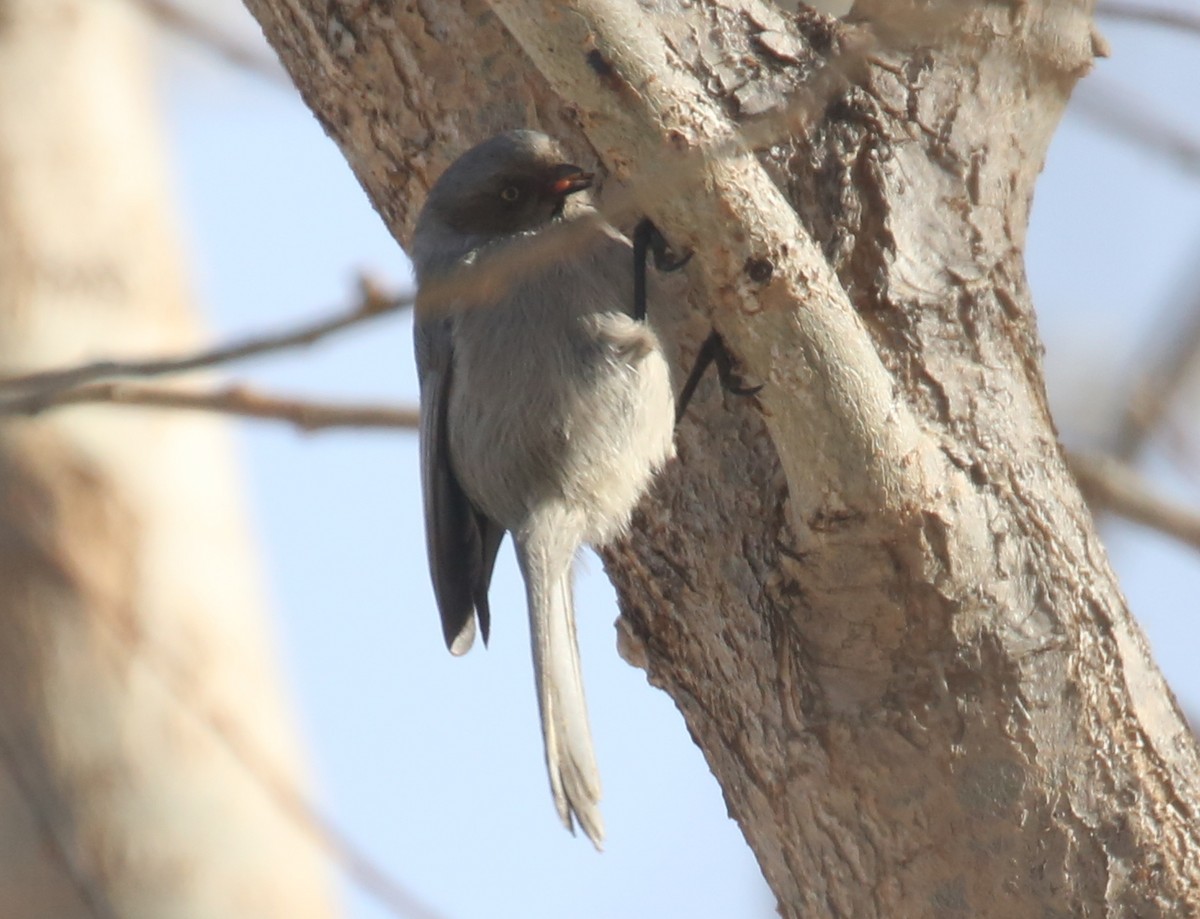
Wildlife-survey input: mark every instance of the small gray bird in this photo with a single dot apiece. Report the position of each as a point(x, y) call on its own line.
point(545, 412)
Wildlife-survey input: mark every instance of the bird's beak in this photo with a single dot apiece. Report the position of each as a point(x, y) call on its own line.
point(569, 179)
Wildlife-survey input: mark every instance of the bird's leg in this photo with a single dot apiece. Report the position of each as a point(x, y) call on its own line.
point(647, 238)
point(713, 351)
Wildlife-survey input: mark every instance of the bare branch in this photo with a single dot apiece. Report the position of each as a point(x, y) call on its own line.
point(477, 284)
point(1181, 447)
point(1153, 16)
point(394, 897)
point(47, 384)
point(397, 899)
point(1118, 113)
point(183, 22)
point(1111, 485)
point(1164, 375)
point(238, 400)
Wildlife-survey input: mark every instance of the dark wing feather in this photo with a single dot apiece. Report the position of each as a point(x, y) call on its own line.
point(491, 534)
point(461, 541)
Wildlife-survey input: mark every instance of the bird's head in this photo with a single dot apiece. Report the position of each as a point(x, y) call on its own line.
point(511, 183)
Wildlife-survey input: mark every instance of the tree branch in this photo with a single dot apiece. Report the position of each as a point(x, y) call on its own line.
point(1154, 16)
point(183, 22)
point(306, 415)
point(1112, 485)
point(395, 898)
point(46, 385)
point(1108, 483)
point(1133, 120)
point(1164, 374)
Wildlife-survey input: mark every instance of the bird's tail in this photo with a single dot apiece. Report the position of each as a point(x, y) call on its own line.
point(570, 757)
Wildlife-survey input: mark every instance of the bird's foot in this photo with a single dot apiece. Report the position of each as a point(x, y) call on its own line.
point(713, 351)
point(648, 238)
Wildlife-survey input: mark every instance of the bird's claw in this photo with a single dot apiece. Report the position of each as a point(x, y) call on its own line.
point(647, 238)
point(664, 259)
point(713, 351)
point(731, 380)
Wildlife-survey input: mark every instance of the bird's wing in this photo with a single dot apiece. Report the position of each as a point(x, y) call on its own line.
point(462, 542)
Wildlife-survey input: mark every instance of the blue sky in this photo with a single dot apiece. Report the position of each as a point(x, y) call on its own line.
point(434, 764)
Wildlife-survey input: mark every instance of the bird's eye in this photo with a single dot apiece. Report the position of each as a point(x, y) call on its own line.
point(510, 193)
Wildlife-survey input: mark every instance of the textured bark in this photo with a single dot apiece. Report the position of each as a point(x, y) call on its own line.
point(130, 616)
point(879, 601)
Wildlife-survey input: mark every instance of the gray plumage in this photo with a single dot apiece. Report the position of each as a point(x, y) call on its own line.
point(544, 413)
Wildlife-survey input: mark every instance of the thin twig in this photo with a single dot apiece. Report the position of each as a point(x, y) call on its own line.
point(46, 384)
point(477, 284)
point(91, 895)
point(291, 800)
point(358, 865)
point(1133, 120)
point(1181, 448)
point(304, 414)
point(480, 283)
point(1150, 15)
point(1159, 383)
point(183, 22)
point(1111, 485)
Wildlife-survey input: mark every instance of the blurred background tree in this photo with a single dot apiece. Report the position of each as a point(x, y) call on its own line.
point(135, 652)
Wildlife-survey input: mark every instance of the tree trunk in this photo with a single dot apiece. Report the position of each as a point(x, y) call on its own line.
point(874, 592)
point(134, 646)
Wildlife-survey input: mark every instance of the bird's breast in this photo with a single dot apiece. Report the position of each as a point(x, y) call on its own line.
point(559, 401)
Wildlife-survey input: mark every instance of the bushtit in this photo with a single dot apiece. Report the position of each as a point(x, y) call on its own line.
point(546, 410)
